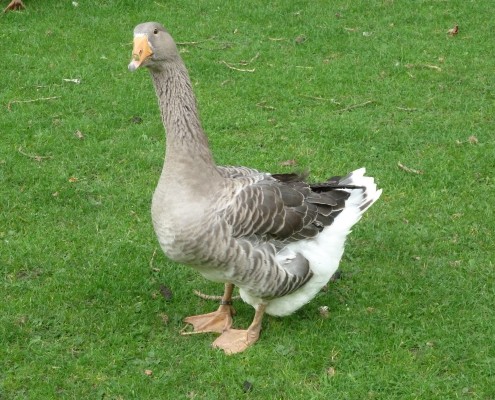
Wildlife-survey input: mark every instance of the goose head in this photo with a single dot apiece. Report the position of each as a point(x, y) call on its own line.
point(153, 46)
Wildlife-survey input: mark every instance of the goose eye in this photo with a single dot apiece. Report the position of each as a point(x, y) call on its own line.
point(155, 31)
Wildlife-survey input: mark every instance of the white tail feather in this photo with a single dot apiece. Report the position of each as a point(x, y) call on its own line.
point(325, 251)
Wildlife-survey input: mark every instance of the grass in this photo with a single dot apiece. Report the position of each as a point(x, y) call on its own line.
point(337, 85)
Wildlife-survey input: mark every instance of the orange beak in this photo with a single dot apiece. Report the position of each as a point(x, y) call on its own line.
point(140, 53)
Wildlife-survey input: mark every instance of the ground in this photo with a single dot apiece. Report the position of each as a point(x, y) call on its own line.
point(92, 309)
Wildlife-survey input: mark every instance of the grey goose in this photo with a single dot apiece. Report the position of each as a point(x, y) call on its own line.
point(276, 237)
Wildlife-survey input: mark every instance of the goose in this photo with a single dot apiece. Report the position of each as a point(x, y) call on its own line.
point(276, 237)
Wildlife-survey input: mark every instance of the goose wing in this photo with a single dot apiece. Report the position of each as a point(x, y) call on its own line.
point(282, 208)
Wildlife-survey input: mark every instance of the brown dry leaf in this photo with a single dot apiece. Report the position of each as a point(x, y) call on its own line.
point(148, 372)
point(324, 311)
point(473, 139)
point(300, 39)
point(73, 179)
point(78, 134)
point(14, 5)
point(288, 163)
point(453, 31)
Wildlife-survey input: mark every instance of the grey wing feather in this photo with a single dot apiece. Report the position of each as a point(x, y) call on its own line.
point(282, 210)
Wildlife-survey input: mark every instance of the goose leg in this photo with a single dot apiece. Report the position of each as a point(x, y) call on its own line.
point(217, 321)
point(234, 341)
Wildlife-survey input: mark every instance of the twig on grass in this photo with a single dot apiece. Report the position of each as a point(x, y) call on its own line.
point(33, 156)
point(429, 66)
point(9, 105)
point(210, 297)
point(195, 42)
point(242, 62)
point(235, 68)
point(333, 101)
point(408, 169)
point(262, 104)
point(251, 60)
point(407, 109)
point(151, 261)
point(354, 106)
point(77, 81)
point(435, 67)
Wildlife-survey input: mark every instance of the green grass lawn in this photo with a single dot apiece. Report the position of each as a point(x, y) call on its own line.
point(332, 85)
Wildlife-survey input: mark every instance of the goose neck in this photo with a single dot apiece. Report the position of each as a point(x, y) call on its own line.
point(185, 139)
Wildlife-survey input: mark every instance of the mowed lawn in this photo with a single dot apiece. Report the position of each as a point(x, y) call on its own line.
point(91, 309)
